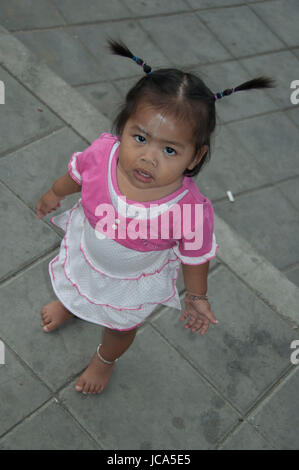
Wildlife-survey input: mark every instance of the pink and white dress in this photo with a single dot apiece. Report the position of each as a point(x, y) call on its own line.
point(105, 272)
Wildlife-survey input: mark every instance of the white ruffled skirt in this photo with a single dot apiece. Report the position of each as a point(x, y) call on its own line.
point(103, 282)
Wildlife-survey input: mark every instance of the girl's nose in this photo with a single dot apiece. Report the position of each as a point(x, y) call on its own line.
point(149, 156)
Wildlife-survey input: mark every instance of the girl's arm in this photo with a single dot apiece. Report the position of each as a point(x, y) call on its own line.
point(196, 278)
point(51, 199)
point(198, 311)
point(65, 185)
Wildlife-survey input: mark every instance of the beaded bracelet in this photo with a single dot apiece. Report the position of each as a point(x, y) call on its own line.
point(197, 296)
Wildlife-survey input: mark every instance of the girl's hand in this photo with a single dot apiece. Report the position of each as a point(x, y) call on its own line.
point(200, 315)
point(47, 203)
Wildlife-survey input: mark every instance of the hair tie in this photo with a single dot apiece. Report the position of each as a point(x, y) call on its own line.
point(146, 68)
point(223, 93)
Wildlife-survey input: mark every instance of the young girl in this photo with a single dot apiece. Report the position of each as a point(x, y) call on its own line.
point(115, 264)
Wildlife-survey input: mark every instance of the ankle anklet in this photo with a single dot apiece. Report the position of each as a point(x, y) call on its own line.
point(101, 358)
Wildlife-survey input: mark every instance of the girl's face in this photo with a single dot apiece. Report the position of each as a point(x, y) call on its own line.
point(160, 147)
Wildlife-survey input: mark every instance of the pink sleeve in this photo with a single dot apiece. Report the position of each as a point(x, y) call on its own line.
point(81, 161)
point(198, 243)
point(74, 167)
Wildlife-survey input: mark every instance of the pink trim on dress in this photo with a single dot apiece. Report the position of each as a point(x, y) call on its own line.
point(107, 305)
point(80, 316)
point(70, 170)
point(206, 260)
point(126, 278)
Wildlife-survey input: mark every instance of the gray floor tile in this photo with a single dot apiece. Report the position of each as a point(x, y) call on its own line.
point(57, 356)
point(231, 167)
point(227, 23)
point(293, 276)
point(155, 7)
point(282, 16)
point(173, 407)
point(71, 62)
point(240, 105)
point(76, 11)
point(296, 52)
point(294, 113)
point(189, 32)
point(23, 236)
point(282, 67)
point(273, 140)
point(24, 118)
point(104, 96)
point(125, 84)
point(245, 353)
point(29, 14)
point(50, 428)
point(20, 392)
point(32, 170)
point(245, 437)
point(95, 39)
point(267, 220)
point(290, 190)
point(211, 3)
point(278, 417)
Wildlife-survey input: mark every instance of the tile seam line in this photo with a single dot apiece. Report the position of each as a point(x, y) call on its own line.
point(229, 51)
point(264, 395)
point(285, 376)
point(267, 397)
point(90, 54)
point(56, 8)
point(31, 209)
point(265, 113)
point(33, 140)
point(266, 24)
point(187, 68)
point(40, 99)
point(291, 323)
point(249, 6)
point(188, 9)
point(31, 264)
point(201, 374)
point(258, 188)
point(44, 405)
point(291, 267)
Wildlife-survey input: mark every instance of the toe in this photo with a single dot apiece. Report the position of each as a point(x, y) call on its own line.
point(86, 389)
point(79, 386)
point(46, 319)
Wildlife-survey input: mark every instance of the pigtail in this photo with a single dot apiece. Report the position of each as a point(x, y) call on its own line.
point(119, 48)
point(259, 82)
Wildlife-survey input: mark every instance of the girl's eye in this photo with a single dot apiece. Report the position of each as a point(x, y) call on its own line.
point(171, 150)
point(139, 137)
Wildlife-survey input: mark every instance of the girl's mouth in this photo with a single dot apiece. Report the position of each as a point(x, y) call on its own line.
point(141, 176)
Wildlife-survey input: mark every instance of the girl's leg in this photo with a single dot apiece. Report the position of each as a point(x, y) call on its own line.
point(114, 343)
point(53, 314)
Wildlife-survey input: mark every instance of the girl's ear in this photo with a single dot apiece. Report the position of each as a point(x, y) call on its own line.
point(198, 157)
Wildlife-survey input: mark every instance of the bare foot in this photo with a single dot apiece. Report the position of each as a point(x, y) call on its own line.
point(95, 378)
point(53, 314)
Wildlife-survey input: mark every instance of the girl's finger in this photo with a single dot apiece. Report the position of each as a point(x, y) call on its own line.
point(184, 316)
point(197, 326)
point(210, 316)
point(204, 329)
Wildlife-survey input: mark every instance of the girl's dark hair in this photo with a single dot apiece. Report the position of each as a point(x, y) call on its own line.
point(179, 93)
